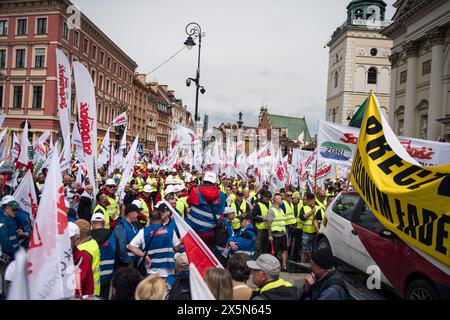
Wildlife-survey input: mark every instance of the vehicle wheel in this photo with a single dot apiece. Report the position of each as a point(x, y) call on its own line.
point(323, 243)
point(421, 290)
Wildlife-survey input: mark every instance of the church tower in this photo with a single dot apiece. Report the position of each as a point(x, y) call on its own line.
point(358, 61)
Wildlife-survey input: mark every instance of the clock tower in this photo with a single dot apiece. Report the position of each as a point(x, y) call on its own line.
point(358, 61)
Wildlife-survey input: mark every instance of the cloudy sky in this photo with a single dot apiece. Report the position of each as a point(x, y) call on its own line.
point(255, 52)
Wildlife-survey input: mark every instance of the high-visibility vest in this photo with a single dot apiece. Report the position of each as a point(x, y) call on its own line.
point(91, 247)
point(299, 222)
point(181, 206)
point(296, 194)
point(263, 225)
point(140, 183)
point(99, 207)
point(236, 223)
point(308, 226)
point(252, 195)
point(274, 285)
point(289, 214)
point(279, 220)
point(323, 204)
point(151, 181)
point(222, 188)
point(145, 210)
point(113, 208)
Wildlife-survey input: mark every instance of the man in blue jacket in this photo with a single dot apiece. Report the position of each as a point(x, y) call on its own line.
point(245, 239)
point(22, 220)
point(126, 229)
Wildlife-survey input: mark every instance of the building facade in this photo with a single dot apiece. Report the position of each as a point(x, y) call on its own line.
point(139, 115)
point(30, 32)
point(420, 82)
point(161, 102)
point(358, 61)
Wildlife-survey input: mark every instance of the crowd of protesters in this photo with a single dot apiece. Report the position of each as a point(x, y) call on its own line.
point(131, 249)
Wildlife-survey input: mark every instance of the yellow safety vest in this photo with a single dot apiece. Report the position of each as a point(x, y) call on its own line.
point(290, 217)
point(236, 223)
point(145, 211)
point(323, 204)
point(275, 284)
point(263, 225)
point(296, 194)
point(93, 249)
point(181, 206)
point(299, 222)
point(279, 221)
point(252, 195)
point(151, 181)
point(222, 188)
point(140, 183)
point(308, 226)
point(105, 214)
point(113, 208)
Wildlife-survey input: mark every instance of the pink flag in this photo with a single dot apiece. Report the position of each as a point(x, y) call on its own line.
point(197, 251)
point(25, 195)
point(50, 261)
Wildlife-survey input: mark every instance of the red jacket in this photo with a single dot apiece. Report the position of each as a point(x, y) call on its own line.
point(86, 275)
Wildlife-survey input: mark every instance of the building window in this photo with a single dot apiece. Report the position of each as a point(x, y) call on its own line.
point(2, 59)
point(115, 67)
point(65, 31)
point(426, 67)
point(17, 98)
point(37, 97)
point(120, 71)
point(40, 58)
point(372, 76)
point(102, 57)
point(3, 27)
point(336, 79)
point(109, 63)
point(76, 38)
point(107, 86)
point(403, 76)
point(114, 90)
point(41, 26)
point(93, 76)
point(100, 82)
point(94, 52)
point(20, 58)
point(100, 118)
point(1, 96)
point(86, 46)
point(21, 27)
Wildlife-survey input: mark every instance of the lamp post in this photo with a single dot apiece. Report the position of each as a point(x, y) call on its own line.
point(193, 29)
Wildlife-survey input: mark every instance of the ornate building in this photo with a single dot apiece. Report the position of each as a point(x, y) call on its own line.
point(358, 61)
point(30, 31)
point(139, 115)
point(159, 100)
point(420, 82)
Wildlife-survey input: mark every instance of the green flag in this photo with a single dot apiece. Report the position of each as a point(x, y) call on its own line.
point(359, 115)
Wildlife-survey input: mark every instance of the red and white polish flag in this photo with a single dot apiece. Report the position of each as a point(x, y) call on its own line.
point(120, 120)
point(197, 251)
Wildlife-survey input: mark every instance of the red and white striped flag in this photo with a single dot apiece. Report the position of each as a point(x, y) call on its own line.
point(199, 288)
point(120, 120)
point(197, 251)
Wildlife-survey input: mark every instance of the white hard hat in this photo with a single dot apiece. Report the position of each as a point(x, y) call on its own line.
point(170, 189)
point(98, 217)
point(7, 199)
point(169, 180)
point(178, 187)
point(210, 177)
point(148, 188)
point(228, 210)
point(137, 203)
point(73, 230)
point(110, 182)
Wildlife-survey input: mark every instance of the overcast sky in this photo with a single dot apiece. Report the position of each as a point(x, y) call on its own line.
point(255, 52)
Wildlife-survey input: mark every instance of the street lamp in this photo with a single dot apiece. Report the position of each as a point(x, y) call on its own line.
point(193, 29)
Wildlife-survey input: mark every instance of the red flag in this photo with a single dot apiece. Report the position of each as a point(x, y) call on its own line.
point(197, 251)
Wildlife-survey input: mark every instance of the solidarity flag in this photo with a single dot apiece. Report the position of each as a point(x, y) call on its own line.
point(130, 161)
point(410, 200)
point(25, 195)
point(24, 158)
point(197, 251)
point(64, 94)
point(77, 144)
point(199, 288)
point(120, 120)
point(50, 261)
point(104, 149)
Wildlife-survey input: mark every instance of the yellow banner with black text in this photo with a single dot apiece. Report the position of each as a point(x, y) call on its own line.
point(408, 199)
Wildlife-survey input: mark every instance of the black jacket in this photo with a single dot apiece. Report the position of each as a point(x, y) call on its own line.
point(100, 235)
point(85, 208)
point(332, 279)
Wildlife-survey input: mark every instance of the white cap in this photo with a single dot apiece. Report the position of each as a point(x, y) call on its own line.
point(137, 203)
point(148, 188)
point(7, 199)
point(170, 189)
point(73, 230)
point(110, 182)
point(98, 217)
point(210, 177)
point(228, 210)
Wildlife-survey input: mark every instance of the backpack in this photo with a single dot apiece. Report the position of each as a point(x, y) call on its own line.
point(181, 289)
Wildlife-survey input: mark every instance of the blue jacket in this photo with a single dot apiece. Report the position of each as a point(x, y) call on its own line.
point(107, 259)
point(124, 233)
point(229, 229)
point(159, 238)
point(245, 240)
point(8, 235)
point(200, 216)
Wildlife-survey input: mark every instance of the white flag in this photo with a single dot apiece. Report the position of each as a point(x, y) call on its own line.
point(23, 160)
point(120, 120)
point(19, 284)
point(128, 168)
point(25, 195)
point(104, 149)
point(50, 262)
point(76, 142)
point(64, 85)
point(3, 143)
point(66, 157)
point(301, 138)
point(87, 113)
point(199, 288)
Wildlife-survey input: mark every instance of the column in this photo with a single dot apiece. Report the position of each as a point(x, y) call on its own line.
point(412, 50)
point(435, 107)
point(393, 58)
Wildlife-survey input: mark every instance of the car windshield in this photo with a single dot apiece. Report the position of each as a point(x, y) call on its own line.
point(345, 205)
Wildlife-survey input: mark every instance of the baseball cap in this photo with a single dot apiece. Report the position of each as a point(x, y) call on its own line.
point(210, 177)
point(161, 206)
point(13, 205)
point(110, 182)
point(98, 217)
point(323, 258)
point(7, 199)
point(267, 263)
point(131, 208)
point(228, 210)
point(138, 204)
point(148, 188)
